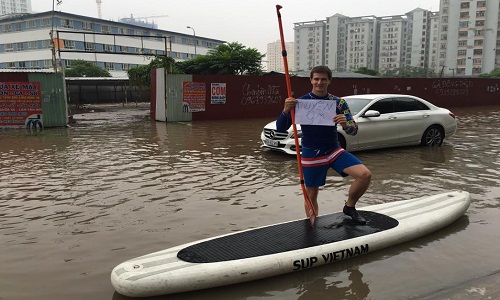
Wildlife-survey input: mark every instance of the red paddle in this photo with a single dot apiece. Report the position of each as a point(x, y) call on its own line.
point(310, 211)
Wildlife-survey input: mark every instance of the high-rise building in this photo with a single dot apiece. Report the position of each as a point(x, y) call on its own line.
point(469, 37)
point(349, 43)
point(274, 56)
point(309, 44)
point(15, 6)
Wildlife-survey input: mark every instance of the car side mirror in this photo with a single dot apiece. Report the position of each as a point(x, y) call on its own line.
point(371, 114)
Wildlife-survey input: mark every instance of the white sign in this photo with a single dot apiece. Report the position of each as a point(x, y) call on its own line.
point(218, 93)
point(315, 112)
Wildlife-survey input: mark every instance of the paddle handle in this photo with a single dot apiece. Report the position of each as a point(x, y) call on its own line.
point(310, 211)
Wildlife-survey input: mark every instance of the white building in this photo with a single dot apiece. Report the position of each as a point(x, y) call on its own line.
point(362, 42)
point(462, 39)
point(274, 56)
point(391, 46)
point(336, 42)
point(469, 37)
point(309, 41)
point(25, 42)
point(15, 6)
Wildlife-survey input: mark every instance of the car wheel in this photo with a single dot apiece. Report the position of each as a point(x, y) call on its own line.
point(342, 142)
point(434, 135)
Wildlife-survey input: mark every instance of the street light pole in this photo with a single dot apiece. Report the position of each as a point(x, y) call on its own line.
point(194, 35)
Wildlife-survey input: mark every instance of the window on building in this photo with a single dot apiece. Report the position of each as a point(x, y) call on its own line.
point(66, 23)
point(68, 44)
point(108, 48)
point(30, 24)
point(32, 45)
point(19, 47)
point(46, 44)
point(462, 52)
point(89, 46)
point(35, 64)
point(109, 66)
point(9, 47)
point(478, 51)
point(88, 26)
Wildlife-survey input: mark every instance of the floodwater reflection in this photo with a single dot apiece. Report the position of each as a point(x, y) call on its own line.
point(75, 202)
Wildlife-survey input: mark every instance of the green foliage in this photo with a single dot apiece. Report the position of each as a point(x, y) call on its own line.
point(226, 59)
point(410, 72)
point(82, 68)
point(493, 74)
point(141, 75)
point(367, 71)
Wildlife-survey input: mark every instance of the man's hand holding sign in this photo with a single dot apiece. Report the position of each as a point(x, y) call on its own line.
point(316, 112)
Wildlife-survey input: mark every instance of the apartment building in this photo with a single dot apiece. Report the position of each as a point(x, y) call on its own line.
point(469, 37)
point(391, 51)
point(14, 6)
point(462, 39)
point(361, 44)
point(274, 56)
point(309, 39)
point(25, 42)
point(336, 42)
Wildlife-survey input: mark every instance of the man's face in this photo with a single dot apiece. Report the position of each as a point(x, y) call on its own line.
point(320, 83)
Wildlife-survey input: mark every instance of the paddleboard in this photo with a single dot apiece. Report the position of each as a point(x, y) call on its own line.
point(285, 247)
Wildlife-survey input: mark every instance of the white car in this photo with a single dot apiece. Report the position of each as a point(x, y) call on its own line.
point(384, 120)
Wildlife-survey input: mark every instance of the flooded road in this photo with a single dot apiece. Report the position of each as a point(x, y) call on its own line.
point(75, 202)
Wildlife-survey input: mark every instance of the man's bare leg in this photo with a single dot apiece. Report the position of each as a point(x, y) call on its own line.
point(312, 193)
point(362, 178)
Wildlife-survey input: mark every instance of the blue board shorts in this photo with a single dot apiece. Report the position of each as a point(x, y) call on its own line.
point(315, 164)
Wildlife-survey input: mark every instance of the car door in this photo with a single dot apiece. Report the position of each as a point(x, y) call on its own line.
point(412, 119)
point(378, 132)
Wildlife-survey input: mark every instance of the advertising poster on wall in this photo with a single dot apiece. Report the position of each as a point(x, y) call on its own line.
point(20, 104)
point(218, 93)
point(193, 96)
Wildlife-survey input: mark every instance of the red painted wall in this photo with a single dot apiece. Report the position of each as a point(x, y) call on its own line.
point(14, 77)
point(263, 96)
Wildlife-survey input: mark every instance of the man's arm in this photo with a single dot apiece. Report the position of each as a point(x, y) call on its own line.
point(284, 121)
point(351, 126)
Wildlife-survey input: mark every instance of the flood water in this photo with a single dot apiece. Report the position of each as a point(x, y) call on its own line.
point(75, 202)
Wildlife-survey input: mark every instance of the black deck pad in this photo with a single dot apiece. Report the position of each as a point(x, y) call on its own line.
point(285, 237)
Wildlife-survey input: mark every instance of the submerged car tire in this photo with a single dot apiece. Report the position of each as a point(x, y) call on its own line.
point(433, 136)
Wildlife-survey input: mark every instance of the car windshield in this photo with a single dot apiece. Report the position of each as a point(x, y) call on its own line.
point(357, 104)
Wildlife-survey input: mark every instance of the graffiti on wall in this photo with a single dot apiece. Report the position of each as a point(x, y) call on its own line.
point(261, 95)
point(452, 87)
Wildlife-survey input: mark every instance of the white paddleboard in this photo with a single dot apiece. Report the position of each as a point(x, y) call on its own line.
point(285, 247)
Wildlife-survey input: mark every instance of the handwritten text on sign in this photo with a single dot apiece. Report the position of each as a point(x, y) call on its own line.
point(315, 112)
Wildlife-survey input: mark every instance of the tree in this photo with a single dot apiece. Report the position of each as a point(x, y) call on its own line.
point(410, 72)
point(141, 75)
point(226, 59)
point(83, 68)
point(367, 71)
point(493, 74)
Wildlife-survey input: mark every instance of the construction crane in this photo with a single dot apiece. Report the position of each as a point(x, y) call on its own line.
point(146, 18)
point(99, 11)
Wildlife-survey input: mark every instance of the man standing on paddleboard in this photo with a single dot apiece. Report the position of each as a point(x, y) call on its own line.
point(320, 147)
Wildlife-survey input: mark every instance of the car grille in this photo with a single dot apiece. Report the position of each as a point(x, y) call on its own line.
point(275, 135)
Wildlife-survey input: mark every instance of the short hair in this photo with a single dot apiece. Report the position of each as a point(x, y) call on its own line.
point(322, 70)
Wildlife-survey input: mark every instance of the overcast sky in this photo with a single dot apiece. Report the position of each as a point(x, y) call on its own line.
point(253, 23)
